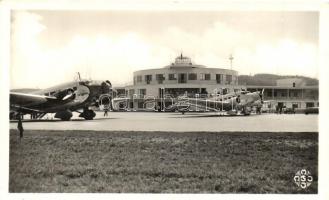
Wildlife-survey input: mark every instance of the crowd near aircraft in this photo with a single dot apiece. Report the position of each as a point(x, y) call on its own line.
point(76, 96)
point(231, 103)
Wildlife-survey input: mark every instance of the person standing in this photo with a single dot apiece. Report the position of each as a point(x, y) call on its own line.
point(20, 127)
point(105, 112)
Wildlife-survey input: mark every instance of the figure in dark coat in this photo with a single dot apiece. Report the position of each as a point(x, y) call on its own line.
point(105, 112)
point(20, 128)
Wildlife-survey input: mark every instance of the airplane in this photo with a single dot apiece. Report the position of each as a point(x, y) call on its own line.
point(230, 103)
point(63, 100)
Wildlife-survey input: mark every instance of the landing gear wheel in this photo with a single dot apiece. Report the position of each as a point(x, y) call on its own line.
point(88, 114)
point(245, 112)
point(65, 118)
point(64, 115)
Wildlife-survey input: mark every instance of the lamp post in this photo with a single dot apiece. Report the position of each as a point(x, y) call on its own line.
point(162, 98)
point(231, 62)
point(196, 101)
point(134, 98)
point(221, 96)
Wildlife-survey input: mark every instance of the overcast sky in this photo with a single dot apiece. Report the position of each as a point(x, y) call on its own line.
point(49, 47)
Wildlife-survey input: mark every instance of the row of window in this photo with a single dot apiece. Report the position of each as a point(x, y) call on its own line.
point(282, 94)
point(142, 92)
point(183, 77)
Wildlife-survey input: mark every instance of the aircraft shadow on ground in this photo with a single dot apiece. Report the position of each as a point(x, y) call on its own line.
point(58, 120)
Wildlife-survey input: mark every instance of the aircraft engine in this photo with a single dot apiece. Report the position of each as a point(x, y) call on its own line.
point(64, 93)
point(104, 102)
point(64, 115)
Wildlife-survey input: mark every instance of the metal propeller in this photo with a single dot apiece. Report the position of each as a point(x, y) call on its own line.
point(261, 95)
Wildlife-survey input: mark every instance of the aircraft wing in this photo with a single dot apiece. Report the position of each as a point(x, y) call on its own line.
point(32, 102)
point(203, 107)
point(210, 104)
point(208, 101)
point(28, 99)
point(23, 109)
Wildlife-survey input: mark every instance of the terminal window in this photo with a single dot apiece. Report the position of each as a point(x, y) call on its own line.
point(148, 79)
point(172, 77)
point(309, 104)
point(131, 92)
point(160, 78)
point(207, 77)
point(142, 92)
point(192, 76)
point(229, 79)
point(182, 78)
point(283, 94)
point(139, 79)
point(219, 78)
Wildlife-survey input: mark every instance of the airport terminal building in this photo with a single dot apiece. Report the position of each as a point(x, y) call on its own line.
point(183, 77)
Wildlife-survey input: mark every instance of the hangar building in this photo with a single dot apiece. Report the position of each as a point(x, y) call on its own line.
point(289, 93)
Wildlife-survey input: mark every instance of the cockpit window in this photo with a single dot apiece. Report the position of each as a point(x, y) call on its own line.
point(245, 92)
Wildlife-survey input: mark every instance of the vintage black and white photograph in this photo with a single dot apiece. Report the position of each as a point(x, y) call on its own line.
point(166, 101)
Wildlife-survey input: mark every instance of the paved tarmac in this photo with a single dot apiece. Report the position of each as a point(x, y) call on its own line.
point(153, 121)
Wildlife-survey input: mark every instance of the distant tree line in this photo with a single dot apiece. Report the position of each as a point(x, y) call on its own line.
point(24, 90)
point(270, 79)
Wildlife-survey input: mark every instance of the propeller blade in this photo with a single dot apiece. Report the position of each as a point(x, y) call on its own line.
point(238, 99)
point(261, 95)
point(68, 96)
point(108, 82)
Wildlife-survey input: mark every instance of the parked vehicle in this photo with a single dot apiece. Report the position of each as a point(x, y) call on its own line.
point(312, 110)
point(289, 111)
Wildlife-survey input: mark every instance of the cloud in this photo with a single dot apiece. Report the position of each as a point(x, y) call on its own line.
point(283, 57)
point(25, 28)
point(115, 56)
point(252, 54)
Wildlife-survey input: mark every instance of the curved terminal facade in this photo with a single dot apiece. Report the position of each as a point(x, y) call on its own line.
point(162, 86)
point(183, 77)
